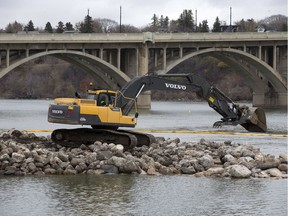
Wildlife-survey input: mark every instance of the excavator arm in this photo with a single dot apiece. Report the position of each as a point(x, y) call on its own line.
point(252, 119)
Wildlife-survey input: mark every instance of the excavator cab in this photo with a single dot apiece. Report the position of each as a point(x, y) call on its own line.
point(97, 109)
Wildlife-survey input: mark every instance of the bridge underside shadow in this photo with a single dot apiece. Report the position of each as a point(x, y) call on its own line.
point(106, 74)
point(269, 88)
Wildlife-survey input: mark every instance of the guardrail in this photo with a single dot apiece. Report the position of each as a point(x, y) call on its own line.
point(141, 37)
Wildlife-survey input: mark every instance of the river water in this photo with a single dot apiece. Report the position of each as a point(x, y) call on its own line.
point(148, 195)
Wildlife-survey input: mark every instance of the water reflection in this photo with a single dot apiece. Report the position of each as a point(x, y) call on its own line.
point(185, 195)
point(141, 195)
point(91, 195)
point(23, 196)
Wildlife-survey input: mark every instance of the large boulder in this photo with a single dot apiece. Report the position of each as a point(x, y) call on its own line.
point(110, 169)
point(17, 158)
point(274, 172)
point(206, 161)
point(76, 161)
point(90, 158)
point(229, 158)
point(214, 171)
point(70, 170)
point(4, 157)
point(283, 158)
point(50, 171)
point(238, 171)
point(188, 170)
point(124, 165)
point(10, 170)
point(268, 162)
point(283, 167)
point(104, 155)
point(63, 156)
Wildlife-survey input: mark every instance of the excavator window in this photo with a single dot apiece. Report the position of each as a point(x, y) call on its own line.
point(91, 96)
point(103, 100)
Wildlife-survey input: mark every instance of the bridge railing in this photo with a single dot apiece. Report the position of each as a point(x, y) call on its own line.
point(140, 37)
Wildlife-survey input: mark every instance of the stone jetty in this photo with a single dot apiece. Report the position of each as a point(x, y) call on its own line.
point(27, 154)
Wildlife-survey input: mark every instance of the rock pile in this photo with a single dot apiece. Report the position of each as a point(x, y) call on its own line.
point(24, 153)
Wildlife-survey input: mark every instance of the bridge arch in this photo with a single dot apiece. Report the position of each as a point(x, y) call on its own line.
point(110, 76)
point(258, 81)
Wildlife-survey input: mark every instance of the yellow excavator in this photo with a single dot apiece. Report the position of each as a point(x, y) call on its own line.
point(106, 110)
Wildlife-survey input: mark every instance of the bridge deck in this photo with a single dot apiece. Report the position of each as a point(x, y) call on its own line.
point(141, 37)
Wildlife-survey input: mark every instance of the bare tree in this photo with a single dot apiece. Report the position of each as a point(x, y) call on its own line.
point(127, 29)
point(275, 23)
point(13, 27)
point(107, 25)
point(246, 26)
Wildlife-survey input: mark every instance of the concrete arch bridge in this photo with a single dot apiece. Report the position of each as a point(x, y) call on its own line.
point(260, 58)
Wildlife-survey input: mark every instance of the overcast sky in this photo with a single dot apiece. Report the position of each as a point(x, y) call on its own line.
point(134, 12)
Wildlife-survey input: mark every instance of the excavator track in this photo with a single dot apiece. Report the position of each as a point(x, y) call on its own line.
point(142, 138)
point(76, 137)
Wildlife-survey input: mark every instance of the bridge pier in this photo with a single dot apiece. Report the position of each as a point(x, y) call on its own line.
point(282, 97)
point(270, 100)
point(144, 100)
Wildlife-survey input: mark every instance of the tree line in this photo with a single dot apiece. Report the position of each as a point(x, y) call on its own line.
point(185, 23)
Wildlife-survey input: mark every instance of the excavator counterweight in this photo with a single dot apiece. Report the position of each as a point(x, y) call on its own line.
point(106, 110)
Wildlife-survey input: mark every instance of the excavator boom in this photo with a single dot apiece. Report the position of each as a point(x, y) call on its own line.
point(252, 119)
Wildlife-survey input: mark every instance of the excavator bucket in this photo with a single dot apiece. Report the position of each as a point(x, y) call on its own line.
point(256, 120)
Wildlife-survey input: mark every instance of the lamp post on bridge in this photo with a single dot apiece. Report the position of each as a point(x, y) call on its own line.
point(120, 19)
point(230, 19)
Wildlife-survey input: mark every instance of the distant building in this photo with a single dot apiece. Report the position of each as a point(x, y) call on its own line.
point(228, 28)
point(260, 28)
